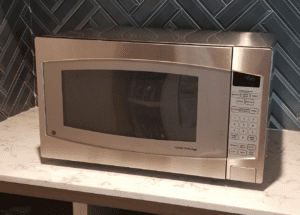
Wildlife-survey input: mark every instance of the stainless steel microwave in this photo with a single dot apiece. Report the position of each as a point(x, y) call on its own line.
point(181, 101)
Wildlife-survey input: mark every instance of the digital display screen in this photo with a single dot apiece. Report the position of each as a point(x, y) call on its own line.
point(245, 80)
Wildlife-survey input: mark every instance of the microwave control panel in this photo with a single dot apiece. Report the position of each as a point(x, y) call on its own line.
point(245, 114)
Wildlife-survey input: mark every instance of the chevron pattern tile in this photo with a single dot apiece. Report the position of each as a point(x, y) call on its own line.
point(281, 17)
point(17, 76)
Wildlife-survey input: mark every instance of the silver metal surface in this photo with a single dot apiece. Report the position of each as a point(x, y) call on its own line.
point(214, 62)
point(256, 62)
point(242, 174)
point(178, 36)
point(55, 49)
point(57, 148)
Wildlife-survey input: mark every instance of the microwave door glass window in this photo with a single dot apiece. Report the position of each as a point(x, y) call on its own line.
point(188, 98)
point(137, 104)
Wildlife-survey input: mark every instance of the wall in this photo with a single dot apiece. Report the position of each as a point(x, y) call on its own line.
point(17, 77)
point(281, 17)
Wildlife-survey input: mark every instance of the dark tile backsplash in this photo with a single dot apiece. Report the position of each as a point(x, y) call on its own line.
point(22, 20)
point(17, 76)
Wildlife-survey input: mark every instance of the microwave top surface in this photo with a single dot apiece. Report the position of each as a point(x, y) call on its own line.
point(178, 36)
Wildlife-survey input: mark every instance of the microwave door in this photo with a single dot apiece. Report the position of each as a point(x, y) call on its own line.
point(174, 115)
point(114, 105)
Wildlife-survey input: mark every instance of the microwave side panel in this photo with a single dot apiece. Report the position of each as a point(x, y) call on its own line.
point(248, 114)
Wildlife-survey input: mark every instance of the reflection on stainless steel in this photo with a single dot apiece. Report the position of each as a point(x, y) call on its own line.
point(206, 56)
point(210, 56)
point(178, 36)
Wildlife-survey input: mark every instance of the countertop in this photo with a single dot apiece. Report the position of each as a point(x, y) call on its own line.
point(20, 163)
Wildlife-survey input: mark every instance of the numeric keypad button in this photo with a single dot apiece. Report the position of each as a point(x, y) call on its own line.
point(243, 131)
point(244, 118)
point(243, 125)
point(235, 117)
point(234, 124)
point(252, 125)
point(252, 132)
point(234, 130)
point(243, 137)
point(252, 119)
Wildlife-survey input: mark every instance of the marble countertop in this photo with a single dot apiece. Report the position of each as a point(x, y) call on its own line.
point(20, 162)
